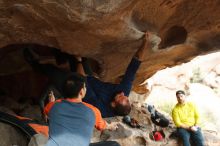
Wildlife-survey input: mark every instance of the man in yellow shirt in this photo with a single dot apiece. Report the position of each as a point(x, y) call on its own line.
point(186, 117)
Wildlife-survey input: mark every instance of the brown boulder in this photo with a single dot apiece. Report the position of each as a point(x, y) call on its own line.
point(111, 31)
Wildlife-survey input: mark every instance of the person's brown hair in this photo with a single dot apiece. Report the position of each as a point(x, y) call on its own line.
point(122, 110)
point(73, 84)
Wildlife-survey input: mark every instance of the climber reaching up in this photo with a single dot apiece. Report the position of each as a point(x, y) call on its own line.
point(112, 99)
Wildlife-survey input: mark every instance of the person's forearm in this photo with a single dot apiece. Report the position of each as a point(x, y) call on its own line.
point(140, 54)
point(86, 66)
point(185, 127)
point(190, 128)
point(48, 107)
point(79, 67)
point(129, 76)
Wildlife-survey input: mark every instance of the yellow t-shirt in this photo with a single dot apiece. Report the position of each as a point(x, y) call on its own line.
point(185, 114)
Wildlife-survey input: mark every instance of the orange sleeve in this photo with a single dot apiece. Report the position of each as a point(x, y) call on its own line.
point(43, 129)
point(22, 118)
point(48, 107)
point(100, 123)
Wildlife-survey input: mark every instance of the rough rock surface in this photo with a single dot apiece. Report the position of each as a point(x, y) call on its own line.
point(10, 136)
point(107, 31)
point(110, 30)
point(128, 136)
point(125, 135)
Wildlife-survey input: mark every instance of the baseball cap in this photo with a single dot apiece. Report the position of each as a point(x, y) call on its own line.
point(180, 92)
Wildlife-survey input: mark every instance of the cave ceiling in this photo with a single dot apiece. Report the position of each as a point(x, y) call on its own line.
point(109, 32)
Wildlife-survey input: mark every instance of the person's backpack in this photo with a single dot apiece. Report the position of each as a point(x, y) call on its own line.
point(158, 118)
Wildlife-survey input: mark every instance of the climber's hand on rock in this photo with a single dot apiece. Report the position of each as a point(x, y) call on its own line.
point(112, 126)
point(51, 97)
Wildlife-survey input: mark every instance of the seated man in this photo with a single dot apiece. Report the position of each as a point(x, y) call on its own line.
point(71, 121)
point(112, 99)
point(186, 118)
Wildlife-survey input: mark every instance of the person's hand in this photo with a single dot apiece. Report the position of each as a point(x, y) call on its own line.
point(51, 97)
point(78, 58)
point(194, 128)
point(145, 48)
point(112, 126)
point(45, 117)
point(147, 39)
point(134, 123)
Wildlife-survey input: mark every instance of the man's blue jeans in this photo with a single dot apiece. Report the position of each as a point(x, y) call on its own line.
point(196, 137)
